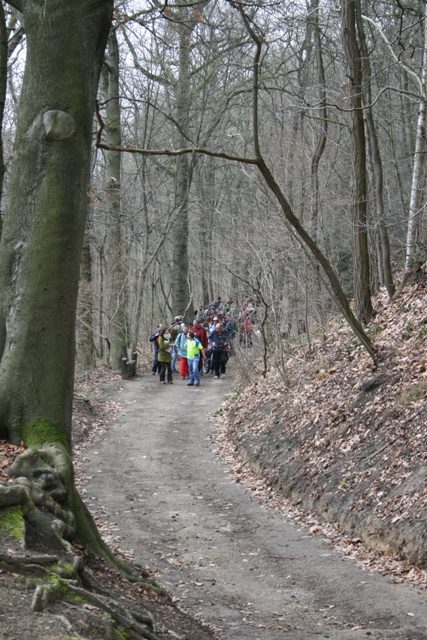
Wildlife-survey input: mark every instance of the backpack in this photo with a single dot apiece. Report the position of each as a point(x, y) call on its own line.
point(175, 330)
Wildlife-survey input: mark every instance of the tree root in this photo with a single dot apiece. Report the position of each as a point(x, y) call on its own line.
point(26, 564)
point(42, 486)
point(137, 625)
point(58, 580)
point(44, 477)
point(132, 622)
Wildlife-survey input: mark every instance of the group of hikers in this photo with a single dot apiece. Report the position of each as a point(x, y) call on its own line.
point(205, 344)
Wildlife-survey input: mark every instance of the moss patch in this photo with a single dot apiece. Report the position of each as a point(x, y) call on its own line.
point(63, 587)
point(64, 570)
point(120, 634)
point(12, 523)
point(41, 432)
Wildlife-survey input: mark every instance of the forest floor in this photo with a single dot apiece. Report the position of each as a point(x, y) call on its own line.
point(294, 509)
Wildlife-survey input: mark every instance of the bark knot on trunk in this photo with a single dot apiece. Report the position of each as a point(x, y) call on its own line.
point(58, 124)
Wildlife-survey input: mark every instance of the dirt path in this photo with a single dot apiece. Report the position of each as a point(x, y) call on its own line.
point(227, 558)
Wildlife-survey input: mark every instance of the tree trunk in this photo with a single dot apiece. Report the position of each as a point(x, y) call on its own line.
point(85, 360)
point(374, 147)
point(44, 223)
point(3, 85)
point(206, 224)
point(42, 240)
point(315, 161)
point(117, 311)
point(180, 291)
point(362, 293)
point(415, 206)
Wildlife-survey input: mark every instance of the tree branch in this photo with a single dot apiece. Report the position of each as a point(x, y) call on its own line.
point(406, 69)
point(179, 152)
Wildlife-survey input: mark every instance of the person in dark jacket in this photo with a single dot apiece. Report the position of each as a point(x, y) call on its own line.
point(153, 339)
point(219, 340)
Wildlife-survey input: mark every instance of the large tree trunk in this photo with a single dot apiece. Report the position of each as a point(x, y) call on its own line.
point(362, 291)
point(3, 84)
point(44, 223)
point(42, 241)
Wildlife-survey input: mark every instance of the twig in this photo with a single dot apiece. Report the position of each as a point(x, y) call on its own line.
point(246, 461)
point(380, 450)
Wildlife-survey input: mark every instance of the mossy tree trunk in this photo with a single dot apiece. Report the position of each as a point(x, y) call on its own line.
point(44, 221)
point(3, 83)
point(42, 240)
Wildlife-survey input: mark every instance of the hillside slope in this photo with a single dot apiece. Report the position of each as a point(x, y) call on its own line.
point(342, 437)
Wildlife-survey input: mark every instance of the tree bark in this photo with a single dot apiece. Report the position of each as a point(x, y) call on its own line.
point(206, 224)
point(362, 292)
point(320, 147)
point(44, 223)
point(85, 360)
point(374, 148)
point(180, 291)
point(117, 314)
point(3, 85)
point(415, 206)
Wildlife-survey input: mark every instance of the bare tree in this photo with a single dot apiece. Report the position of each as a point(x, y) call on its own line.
point(375, 152)
point(116, 273)
point(363, 304)
point(40, 250)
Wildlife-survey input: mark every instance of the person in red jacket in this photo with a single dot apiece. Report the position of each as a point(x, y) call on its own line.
point(247, 327)
point(200, 333)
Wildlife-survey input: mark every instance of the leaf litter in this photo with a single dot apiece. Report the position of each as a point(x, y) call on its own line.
point(333, 433)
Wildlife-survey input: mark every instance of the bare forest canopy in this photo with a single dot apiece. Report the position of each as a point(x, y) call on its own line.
point(308, 184)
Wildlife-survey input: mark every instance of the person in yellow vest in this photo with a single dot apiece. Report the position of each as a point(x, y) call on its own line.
point(194, 349)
